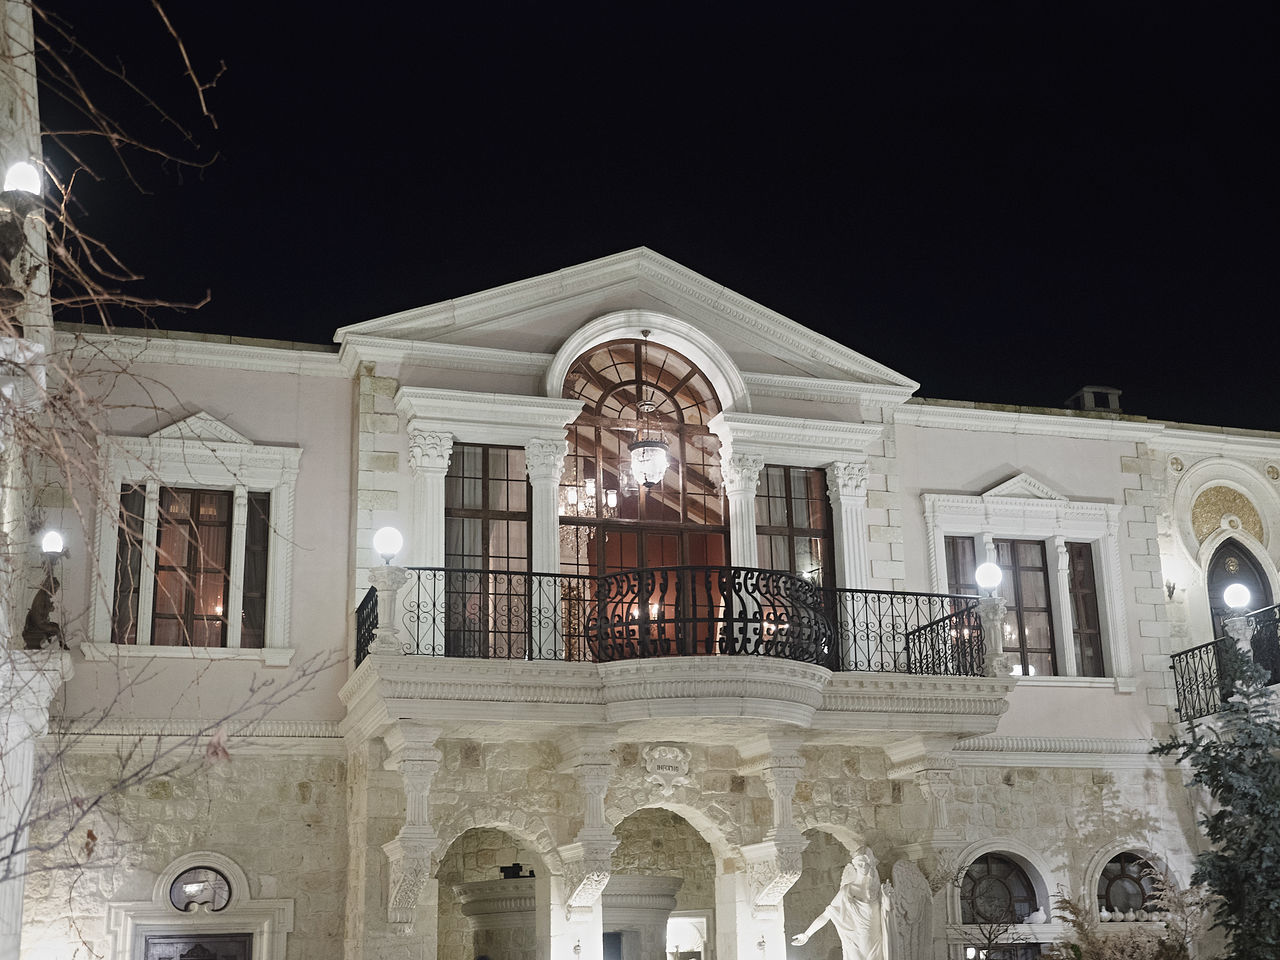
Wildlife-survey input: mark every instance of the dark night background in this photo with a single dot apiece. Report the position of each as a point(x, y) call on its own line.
point(1002, 201)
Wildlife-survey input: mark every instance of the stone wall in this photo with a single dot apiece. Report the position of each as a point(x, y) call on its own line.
point(281, 818)
point(659, 843)
point(824, 860)
point(477, 855)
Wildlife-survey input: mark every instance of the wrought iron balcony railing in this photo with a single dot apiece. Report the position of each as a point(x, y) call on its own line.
point(1201, 679)
point(678, 611)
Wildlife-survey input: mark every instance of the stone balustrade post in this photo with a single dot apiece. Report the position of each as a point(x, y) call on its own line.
point(388, 580)
point(992, 611)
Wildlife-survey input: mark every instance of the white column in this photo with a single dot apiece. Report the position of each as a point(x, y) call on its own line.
point(847, 489)
point(235, 576)
point(741, 473)
point(544, 463)
point(28, 681)
point(147, 588)
point(429, 455)
point(388, 580)
point(1060, 601)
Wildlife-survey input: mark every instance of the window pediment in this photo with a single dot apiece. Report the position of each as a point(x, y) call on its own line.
point(1023, 487)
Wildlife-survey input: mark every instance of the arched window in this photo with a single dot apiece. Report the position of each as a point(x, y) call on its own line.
point(1127, 884)
point(608, 521)
point(995, 889)
point(1232, 563)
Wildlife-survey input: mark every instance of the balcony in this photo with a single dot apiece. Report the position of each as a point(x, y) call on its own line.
point(1199, 673)
point(677, 612)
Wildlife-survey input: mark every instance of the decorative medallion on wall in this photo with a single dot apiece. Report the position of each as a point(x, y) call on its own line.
point(667, 767)
point(1218, 507)
point(1176, 464)
point(1232, 564)
point(1273, 471)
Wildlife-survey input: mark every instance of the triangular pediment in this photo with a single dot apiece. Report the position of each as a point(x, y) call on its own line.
point(1023, 487)
point(536, 316)
point(201, 427)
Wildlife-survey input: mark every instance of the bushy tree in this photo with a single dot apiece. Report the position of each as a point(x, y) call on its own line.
point(1235, 758)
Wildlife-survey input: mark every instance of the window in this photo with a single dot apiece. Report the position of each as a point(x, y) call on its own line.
point(1061, 564)
point(189, 602)
point(1128, 883)
point(793, 523)
point(200, 543)
point(995, 892)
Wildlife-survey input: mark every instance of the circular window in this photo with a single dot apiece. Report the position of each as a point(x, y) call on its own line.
point(1127, 883)
point(200, 886)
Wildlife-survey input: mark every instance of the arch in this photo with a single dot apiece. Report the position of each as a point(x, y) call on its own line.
point(1219, 471)
point(708, 827)
point(1204, 605)
point(1044, 879)
point(1104, 855)
point(843, 823)
point(529, 829)
point(698, 348)
point(236, 877)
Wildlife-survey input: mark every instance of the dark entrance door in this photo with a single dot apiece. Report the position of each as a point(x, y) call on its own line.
point(213, 946)
point(1233, 563)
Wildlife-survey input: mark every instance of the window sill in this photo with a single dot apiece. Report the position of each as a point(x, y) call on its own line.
point(268, 656)
point(1120, 684)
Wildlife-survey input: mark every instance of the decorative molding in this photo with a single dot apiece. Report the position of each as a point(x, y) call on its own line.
point(1064, 423)
point(1060, 752)
point(964, 698)
point(792, 441)
point(1219, 442)
point(120, 348)
point(183, 727)
point(1023, 487)
point(825, 391)
point(485, 417)
point(357, 349)
point(1094, 745)
point(200, 427)
point(270, 921)
point(721, 312)
point(267, 656)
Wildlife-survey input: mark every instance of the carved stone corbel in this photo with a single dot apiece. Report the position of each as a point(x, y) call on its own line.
point(412, 752)
point(774, 864)
point(588, 861)
point(933, 772)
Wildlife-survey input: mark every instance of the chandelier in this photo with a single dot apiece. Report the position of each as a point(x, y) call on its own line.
point(649, 450)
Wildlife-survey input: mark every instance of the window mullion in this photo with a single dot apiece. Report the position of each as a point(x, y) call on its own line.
point(147, 588)
point(235, 591)
point(1060, 604)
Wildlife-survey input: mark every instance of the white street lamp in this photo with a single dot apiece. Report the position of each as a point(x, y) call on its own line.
point(988, 577)
point(1237, 596)
point(387, 543)
point(22, 176)
point(51, 544)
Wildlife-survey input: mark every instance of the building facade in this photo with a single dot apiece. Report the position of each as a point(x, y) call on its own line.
point(686, 612)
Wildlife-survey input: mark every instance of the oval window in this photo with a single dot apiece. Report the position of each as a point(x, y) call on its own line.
point(200, 886)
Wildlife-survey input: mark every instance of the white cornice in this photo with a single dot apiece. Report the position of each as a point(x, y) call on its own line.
point(1218, 442)
point(357, 348)
point(824, 391)
point(485, 417)
point(792, 441)
point(107, 736)
point(1096, 752)
point(124, 349)
point(720, 309)
point(1064, 424)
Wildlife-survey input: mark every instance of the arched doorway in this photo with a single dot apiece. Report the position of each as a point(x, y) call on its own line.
point(608, 521)
point(488, 897)
point(1233, 562)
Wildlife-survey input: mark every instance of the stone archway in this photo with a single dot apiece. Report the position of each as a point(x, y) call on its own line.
point(484, 910)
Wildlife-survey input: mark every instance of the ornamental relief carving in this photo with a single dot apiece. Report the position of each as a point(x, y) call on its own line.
point(667, 767)
point(430, 451)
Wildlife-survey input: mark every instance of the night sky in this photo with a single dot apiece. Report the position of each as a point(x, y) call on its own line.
point(1002, 201)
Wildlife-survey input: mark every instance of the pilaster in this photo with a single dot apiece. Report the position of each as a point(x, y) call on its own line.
point(741, 473)
point(847, 490)
point(588, 860)
point(429, 456)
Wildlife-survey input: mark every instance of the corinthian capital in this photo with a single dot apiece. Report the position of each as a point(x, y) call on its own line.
point(430, 452)
point(846, 480)
point(741, 472)
point(544, 459)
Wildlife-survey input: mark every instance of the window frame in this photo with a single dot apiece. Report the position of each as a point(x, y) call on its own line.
point(1023, 508)
point(199, 452)
point(791, 533)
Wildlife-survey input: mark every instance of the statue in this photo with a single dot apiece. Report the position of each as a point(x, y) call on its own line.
point(40, 632)
point(857, 911)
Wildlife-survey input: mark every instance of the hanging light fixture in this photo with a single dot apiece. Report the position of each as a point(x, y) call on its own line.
point(649, 450)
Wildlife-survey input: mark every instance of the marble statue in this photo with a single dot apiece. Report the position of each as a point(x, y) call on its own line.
point(858, 911)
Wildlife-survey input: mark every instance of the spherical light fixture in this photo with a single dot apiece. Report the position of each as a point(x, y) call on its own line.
point(52, 543)
point(988, 576)
point(1237, 596)
point(22, 176)
point(387, 543)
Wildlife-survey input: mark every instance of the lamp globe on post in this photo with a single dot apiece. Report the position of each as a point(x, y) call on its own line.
point(387, 542)
point(52, 544)
point(988, 577)
point(1237, 597)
